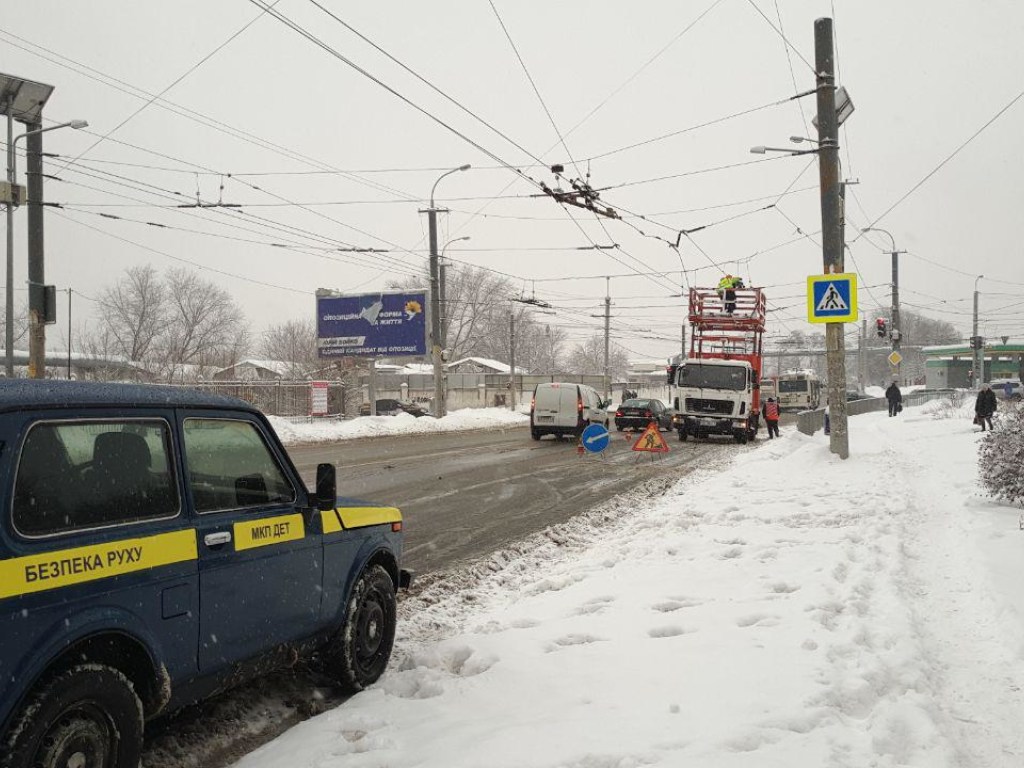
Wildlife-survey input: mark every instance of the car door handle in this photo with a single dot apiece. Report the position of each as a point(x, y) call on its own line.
point(217, 539)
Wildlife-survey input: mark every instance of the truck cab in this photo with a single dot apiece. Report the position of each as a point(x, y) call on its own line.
point(716, 397)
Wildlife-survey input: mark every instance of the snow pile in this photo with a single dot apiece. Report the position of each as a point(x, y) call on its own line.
point(789, 609)
point(402, 424)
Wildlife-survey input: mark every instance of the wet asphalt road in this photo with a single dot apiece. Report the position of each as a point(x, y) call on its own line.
point(463, 495)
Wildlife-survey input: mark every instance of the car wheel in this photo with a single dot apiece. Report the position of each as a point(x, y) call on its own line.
point(359, 652)
point(83, 716)
point(682, 435)
point(619, 427)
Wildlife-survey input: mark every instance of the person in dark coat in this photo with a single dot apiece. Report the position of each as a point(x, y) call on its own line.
point(984, 407)
point(895, 398)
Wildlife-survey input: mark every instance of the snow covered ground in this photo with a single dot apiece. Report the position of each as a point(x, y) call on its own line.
point(783, 609)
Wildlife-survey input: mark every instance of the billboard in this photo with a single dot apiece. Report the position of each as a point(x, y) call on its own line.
point(391, 324)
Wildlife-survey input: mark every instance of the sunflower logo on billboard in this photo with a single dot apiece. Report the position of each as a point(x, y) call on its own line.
point(413, 308)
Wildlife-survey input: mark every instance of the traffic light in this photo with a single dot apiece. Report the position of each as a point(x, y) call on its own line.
point(671, 373)
point(881, 327)
point(977, 342)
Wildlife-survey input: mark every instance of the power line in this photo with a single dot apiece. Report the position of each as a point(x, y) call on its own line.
point(780, 34)
point(185, 74)
point(955, 152)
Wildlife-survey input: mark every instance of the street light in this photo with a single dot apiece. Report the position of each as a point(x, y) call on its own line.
point(895, 333)
point(435, 298)
point(443, 301)
point(12, 178)
point(759, 150)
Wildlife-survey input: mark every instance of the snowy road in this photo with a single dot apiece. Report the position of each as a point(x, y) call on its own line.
point(466, 494)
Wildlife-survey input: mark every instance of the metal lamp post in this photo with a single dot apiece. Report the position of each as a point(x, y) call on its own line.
point(979, 360)
point(435, 298)
point(443, 289)
point(896, 332)
point(12, 179)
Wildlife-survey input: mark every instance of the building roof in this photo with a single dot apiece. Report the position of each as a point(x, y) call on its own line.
point(483, 362)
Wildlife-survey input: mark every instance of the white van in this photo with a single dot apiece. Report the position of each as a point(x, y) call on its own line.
point(565, 409)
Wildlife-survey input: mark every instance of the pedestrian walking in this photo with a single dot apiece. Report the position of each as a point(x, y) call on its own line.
point(895, 398)
point(984, 407)
point(770, 411)
point(828, 423)
point(1008, 390)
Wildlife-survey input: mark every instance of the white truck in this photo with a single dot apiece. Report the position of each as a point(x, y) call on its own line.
point(716, 389)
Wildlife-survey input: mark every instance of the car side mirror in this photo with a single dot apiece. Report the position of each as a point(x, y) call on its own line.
point(326, 487)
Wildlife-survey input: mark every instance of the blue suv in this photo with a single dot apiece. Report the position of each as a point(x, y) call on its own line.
point(158, 546)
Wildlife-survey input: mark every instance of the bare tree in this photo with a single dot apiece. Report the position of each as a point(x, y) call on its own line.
point(203, 323)
point(133, 313)
point(293, 342)
point(20, 325)
point(588, 357)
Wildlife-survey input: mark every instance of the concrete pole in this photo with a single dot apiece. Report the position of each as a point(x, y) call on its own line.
point(607, 334)
point(976, 367)
point(831, 226)
point(36, 278)
point(9, 316)
point(512, 359)
point(435, 315)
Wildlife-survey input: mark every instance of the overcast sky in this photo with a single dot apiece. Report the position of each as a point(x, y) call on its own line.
point(324, 158)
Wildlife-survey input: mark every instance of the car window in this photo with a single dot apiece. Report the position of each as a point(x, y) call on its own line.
point(229, 466)
point(92, 474)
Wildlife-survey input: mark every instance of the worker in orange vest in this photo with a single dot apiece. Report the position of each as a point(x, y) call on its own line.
point(770, 411)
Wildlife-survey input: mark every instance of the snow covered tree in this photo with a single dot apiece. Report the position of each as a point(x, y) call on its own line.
point(1001, 456)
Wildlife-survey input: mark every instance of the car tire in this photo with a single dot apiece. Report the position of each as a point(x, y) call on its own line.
point(358, 653)
point(682, 435)
point(87, 711)
point(619, 428)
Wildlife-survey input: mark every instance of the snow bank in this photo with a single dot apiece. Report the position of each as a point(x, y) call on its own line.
point(788, 609)
point(404, 423)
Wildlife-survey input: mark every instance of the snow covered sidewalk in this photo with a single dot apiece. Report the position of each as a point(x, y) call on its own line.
point(787, 609)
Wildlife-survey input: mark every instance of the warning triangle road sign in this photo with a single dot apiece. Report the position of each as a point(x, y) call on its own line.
point(832, 300)
point(650, 440)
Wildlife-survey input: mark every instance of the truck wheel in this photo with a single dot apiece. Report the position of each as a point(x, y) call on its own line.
point(535, 434)
point(84, 716)
point(358, 654)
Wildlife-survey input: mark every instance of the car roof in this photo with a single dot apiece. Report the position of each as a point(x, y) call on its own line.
point(21, 393)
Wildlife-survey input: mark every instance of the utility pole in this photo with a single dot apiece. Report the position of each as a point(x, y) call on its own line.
point(512, 358)
point(607, 329)
point(832, 226)
point(862, 354)
point(36, 281)
point(683, 349)
point(897, 329)
point(69, 334)
point(979, 374)
point(435, 298)
point(435, 313)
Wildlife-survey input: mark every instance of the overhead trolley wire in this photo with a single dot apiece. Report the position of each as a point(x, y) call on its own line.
point(177, 80)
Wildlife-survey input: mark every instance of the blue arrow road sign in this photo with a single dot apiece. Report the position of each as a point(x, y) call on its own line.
point(595, 438)
point(832, 298)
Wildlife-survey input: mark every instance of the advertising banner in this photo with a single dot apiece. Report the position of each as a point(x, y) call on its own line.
point(391, 324)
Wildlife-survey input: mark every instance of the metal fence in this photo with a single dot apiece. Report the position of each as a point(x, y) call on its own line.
point(810, 422)
point(286, 398)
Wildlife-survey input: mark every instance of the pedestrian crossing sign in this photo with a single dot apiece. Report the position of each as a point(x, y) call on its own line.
point(832, 298)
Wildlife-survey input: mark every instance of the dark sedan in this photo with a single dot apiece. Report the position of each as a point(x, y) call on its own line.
point(637, 413)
